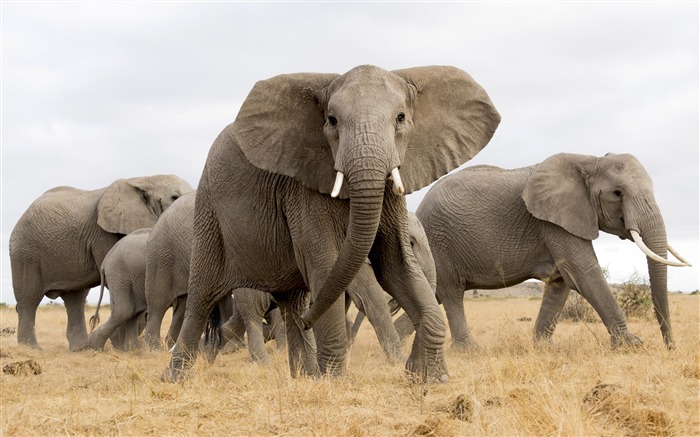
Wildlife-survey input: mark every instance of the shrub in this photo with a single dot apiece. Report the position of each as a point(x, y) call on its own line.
point(635, 296)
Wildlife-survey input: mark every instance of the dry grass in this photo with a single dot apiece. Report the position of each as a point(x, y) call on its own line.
point(575, 386)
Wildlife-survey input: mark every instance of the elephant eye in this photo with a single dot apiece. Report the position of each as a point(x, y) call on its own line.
point(412, 243)
point(174, 197)
point(332, 120)
point(618, 193)
point(401, 117)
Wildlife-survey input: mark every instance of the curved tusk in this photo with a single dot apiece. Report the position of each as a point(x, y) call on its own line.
point(652, 255)
point(398, 185)
point(678, 257)
point(338, 184)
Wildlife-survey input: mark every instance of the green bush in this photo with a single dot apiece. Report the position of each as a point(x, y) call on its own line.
point(635, 297)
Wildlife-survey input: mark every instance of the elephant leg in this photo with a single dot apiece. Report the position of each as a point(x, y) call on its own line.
point(370, 299)
point(278, 329)
point(301, 344)
point(453, 301)
point(154, 322)
point(232, 332)
point(404, 326)
point(114, 328)
point(131, 332)
point(553, 300)
point(176, 324)
point(76, 331)
point(26, 313)
point(355, 327)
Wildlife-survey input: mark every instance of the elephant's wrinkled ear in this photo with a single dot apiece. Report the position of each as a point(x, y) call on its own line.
point(279, 128)
point(557, 192)
point(123, 207)
point(453, 120)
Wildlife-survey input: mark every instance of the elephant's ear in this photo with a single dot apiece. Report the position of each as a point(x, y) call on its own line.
point(557, 192)
point(279, 128)
point(453, 120)
point(124, 206)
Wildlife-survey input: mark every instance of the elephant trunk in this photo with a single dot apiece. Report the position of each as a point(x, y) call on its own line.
point(653, 232)
point(366, 182)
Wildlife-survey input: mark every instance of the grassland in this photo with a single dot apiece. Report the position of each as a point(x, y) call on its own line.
point(576, 385)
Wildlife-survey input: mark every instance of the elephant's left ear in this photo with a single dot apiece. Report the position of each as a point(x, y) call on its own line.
point(124, 206)
point(279, 128)
point(453, 120)
point(557, 192)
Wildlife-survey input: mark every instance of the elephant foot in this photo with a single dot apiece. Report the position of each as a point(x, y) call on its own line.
point(432, 371)
point(32, 343)
point(178, 371)
point(468, 345)
point(626, 340)
point(80, 347)
point(396, 357)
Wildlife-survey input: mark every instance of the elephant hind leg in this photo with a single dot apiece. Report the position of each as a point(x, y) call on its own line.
point(26, 308)
point(556, 292)
point(76, 331)
point(301, 344)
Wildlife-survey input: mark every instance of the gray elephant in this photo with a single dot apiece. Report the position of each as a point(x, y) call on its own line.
point(268, 214)
point(167, 276)
point(492, 228)
point(59, 243)
point(123, 273)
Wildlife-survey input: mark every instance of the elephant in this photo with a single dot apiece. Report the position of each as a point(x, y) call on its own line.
point(167, 275)
point(295, 195)
point(492, 228)
point(59, 243)
point(123, 272)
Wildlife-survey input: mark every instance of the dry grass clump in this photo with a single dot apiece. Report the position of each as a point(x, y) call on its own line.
point(511, 385)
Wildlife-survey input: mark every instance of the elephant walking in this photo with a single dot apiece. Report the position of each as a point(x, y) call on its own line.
point(123, 273)
point(59, 243)
point(264, 218)
point(492, 228)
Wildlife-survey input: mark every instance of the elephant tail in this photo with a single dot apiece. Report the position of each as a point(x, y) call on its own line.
point(212, 332)
point(95, 320)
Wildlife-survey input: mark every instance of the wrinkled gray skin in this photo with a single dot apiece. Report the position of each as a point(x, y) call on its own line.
point(59, 243)
point(421, 250)
point(493, 228)
point(123, 273)
point(167, 269)
point(264, 219)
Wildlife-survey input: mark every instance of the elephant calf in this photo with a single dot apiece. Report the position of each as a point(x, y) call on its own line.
point(491, 228)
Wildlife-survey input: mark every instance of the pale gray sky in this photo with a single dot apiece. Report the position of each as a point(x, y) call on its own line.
point(93, 92)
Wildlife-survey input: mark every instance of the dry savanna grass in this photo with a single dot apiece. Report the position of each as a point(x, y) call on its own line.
point(576, 385)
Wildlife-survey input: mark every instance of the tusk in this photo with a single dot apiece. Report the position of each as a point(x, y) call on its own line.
point(398, 185)
point(652, 255)
point(678, 257)
point(338, 184)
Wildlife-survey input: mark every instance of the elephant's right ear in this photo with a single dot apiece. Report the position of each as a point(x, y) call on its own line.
point(557, 192)
point(123, 207)
point(279, 128)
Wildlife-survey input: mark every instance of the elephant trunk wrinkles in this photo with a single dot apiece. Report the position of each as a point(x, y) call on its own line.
point(366, 181)
point(653, 232)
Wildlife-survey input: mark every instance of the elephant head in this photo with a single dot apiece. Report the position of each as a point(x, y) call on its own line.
point(130, 204)
point(363, 127)
point(614, 194)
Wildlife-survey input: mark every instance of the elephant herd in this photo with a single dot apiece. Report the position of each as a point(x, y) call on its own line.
point(300, 210)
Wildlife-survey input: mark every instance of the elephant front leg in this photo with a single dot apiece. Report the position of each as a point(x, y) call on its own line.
point(76, 332)
point(301, 344)
point(553, 300)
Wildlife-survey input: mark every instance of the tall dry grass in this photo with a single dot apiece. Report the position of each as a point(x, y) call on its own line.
point(576, 385)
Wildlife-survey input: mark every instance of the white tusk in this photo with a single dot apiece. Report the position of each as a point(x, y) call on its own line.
point(338, 184)
point(172, 349)
point(398, 185)
point(678, 257)
point(652, 255)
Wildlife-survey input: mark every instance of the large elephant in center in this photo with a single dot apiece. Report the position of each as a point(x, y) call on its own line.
point(59, 243)
point(295, 195)
point(492, 228)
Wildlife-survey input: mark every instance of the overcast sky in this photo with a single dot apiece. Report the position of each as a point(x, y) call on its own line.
point(93, 92)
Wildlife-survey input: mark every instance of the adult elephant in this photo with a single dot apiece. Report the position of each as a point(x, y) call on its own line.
point(264, 219)
point(123, 273)
point(59, 243)
point(492, 228)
